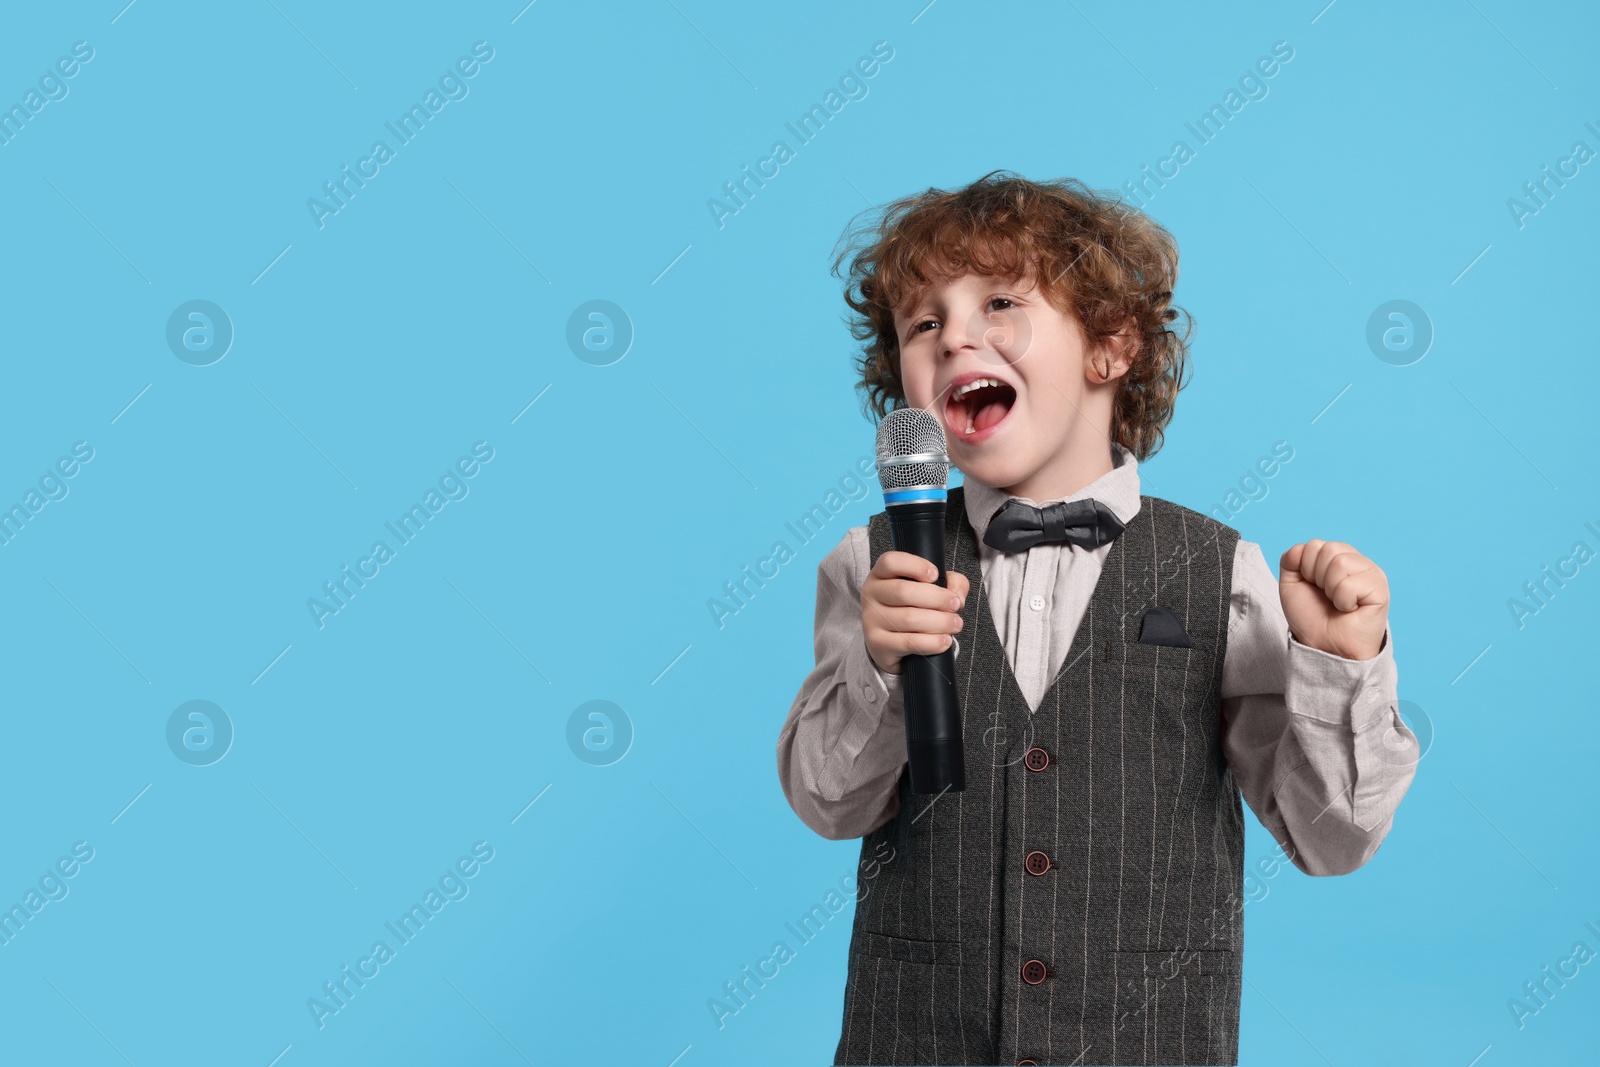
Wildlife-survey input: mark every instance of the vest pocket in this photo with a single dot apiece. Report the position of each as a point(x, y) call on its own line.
point(1169, 963)
point(1173, 672)
point(1166, 657)
point(1177, 1005)
point(1159, 683)
point(906, 949)
point(921, 1010)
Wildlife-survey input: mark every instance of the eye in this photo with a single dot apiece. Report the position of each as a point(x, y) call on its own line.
point(1000, 300)
point(917, 327)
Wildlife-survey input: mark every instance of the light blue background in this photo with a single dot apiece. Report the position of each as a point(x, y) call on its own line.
point(427, 314)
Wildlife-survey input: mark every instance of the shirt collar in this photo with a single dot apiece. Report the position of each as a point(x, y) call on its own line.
point(1117, 489)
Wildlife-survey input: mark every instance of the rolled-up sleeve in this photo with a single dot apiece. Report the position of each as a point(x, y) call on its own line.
point(843, 744)
point(1314, 740)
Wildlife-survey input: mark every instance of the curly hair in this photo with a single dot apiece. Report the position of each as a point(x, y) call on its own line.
point(1094, 257)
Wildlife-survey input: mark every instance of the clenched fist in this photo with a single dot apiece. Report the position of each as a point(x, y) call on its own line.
point(1335, 599)
point(904, 611)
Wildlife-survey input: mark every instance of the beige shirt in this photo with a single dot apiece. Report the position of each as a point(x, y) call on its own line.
point(1315, 741)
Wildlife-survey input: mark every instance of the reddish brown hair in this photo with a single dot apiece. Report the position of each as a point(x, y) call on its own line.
point(1093, 256)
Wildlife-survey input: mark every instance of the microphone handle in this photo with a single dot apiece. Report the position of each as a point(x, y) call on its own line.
point(932, 711)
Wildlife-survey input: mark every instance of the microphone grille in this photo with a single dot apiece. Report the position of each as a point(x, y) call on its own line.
point(911, 450)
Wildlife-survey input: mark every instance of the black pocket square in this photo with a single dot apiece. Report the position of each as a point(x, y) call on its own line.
point(1161, 627)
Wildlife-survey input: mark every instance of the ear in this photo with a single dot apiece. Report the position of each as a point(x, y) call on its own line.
point(1117, 353)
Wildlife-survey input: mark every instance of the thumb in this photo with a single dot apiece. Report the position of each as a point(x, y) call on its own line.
point(1289, 565)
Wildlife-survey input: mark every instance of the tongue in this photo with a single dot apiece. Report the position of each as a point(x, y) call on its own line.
point(991, 413)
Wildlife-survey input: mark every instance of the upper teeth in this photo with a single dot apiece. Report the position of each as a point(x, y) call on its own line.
point(976, 383)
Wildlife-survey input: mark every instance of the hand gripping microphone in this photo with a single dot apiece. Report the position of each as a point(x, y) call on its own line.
point(913, 468)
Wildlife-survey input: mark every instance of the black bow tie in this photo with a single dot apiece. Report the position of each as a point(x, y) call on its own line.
point(1019, 526)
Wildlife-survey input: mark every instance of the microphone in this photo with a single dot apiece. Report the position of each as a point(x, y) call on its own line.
point(913, 468)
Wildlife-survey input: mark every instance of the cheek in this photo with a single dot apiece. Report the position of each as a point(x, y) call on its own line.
point(917, 381)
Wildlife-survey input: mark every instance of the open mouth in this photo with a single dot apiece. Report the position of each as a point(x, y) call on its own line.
point(973, 410)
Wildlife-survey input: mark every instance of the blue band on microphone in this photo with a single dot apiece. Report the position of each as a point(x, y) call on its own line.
point(907, 496)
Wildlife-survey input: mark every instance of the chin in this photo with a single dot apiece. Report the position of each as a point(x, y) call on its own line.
point(990, 473)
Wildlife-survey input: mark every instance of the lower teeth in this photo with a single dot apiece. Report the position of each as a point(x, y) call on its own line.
point(969, 427)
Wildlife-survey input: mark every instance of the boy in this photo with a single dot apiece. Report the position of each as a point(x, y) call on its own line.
point(1124, 665)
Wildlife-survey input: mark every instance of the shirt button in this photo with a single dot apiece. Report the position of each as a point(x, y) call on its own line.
point(1037, 862)
point(1036, 759)
point(1036, 602)
point(872, 693)
point(1033, 972)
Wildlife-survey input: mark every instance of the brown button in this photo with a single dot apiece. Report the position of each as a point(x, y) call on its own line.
point(1034, 972)
point(1037, 862)
point(1036, 759)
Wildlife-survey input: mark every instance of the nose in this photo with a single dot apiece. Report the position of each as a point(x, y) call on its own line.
point(963, 330)
point(997, 337)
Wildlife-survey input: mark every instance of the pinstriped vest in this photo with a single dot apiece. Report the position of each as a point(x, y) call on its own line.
point(1080, 902)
